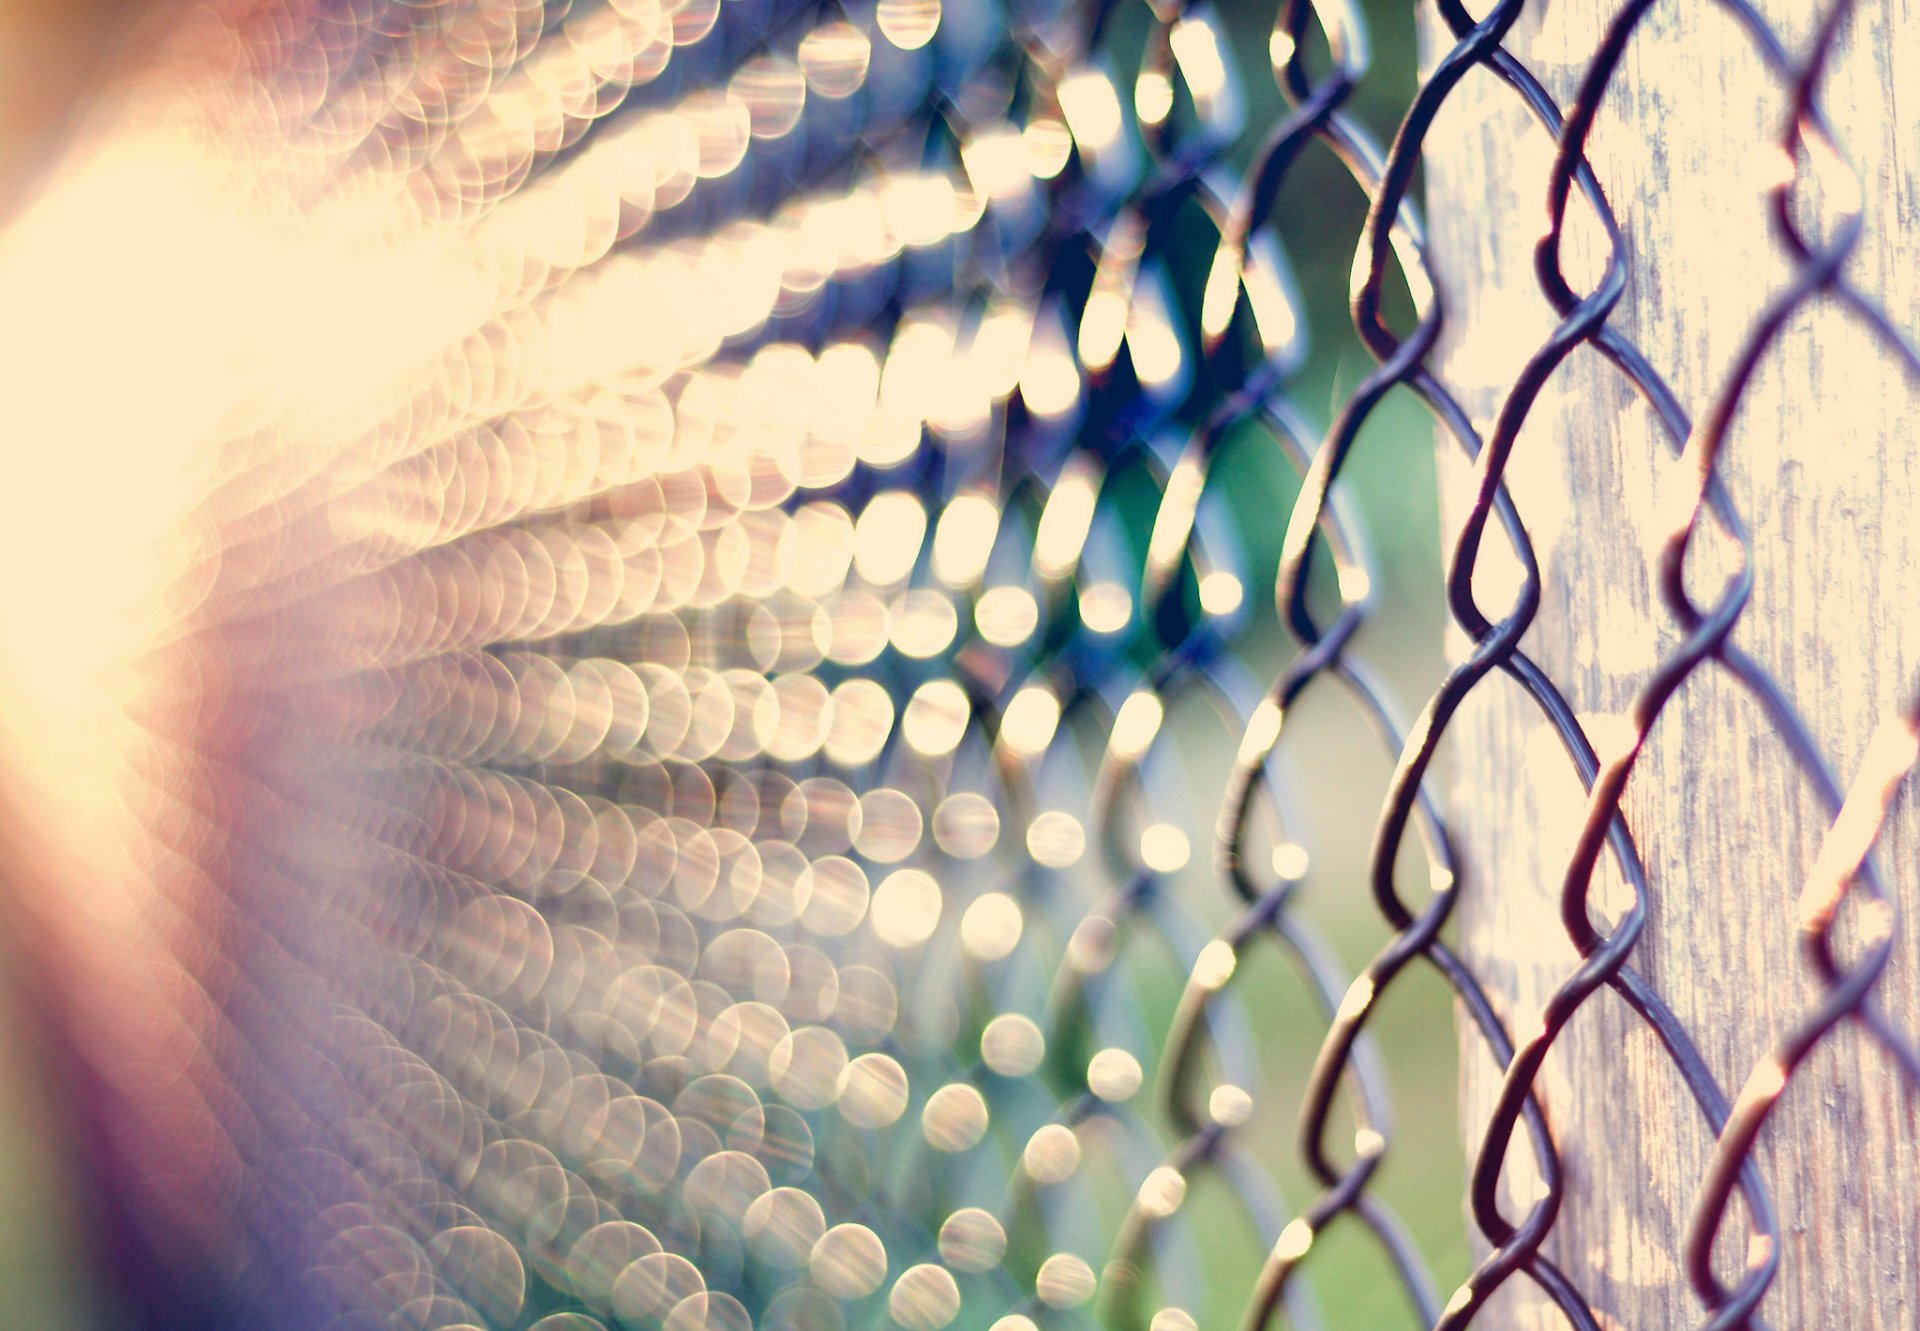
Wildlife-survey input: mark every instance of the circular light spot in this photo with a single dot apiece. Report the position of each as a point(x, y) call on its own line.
point(1153, 97)
point(1105, 607)
point(966, 825)
point(1114, 1074)
point(783, 1226)
point(1007, 616)
point(1052, 1153)
point(654, 1285)
point(1220, 593)
point(890, 826)
point(971, 1240)
point(774, 91)
point(862, 719)
point(955, 1118)
point(867, 1003)
point(600, 1255)
point(924, 1298)
point(888, 533)
point(935, 720)
point(1290, 861)
point(1012, 1045)
point(848, 1262)
point(924, 623)
point(836, 893)
point(483, 1266)
point(1056, 839)
point(1064, 1281)
point(908, 24)
point(1173, 1319)
point(800, 713)
point(964, 539)
point(1215, 965)
point(694, 20)
point(724, 1185)
point(1162, 1191)
point(806, 1067)
point(873, 1091)
point(722, 125)
point(906, 908)
point(1165, 848)
point(834, 58)
point(1027, 726)
point(991, 927)
point(1049, 144)
point(1230, 1105)
point(709, 1311)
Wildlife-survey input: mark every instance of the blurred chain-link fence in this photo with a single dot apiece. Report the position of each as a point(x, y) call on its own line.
point(833, 753)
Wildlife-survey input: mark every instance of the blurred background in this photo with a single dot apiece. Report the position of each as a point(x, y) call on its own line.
point(60, 60)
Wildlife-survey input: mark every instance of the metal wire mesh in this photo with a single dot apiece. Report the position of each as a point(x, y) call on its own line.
point(787, 784)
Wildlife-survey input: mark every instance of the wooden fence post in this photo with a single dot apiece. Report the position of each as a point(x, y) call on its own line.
point(1822, 464)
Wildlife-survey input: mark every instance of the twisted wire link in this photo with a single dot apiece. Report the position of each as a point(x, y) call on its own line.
point(1389, 225)
point(1605, 959)
point(1207, 1127)
point(1315, 116)
point(1192, 659)
point(1583, 320)
point(1844, 857)
point(1732, 1164)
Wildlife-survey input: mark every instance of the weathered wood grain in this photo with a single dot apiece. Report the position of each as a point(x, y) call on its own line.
point(1822, 462)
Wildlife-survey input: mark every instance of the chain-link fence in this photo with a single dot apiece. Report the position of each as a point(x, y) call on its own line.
point(771, 793)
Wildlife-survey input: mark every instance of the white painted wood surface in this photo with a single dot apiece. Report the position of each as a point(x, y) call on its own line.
point(1823, 463)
